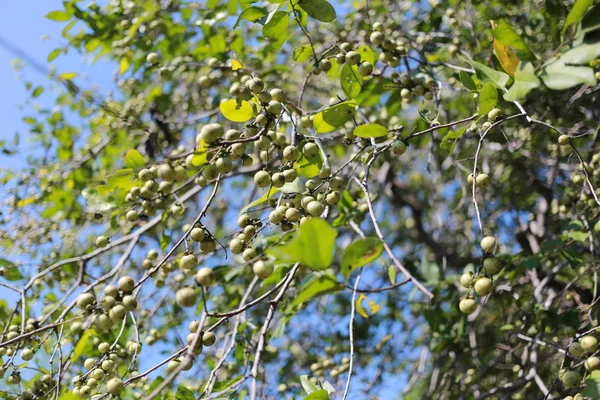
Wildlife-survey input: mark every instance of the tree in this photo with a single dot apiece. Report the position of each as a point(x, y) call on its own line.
point(300, 199)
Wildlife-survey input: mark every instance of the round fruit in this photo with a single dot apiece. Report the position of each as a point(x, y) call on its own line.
point(186, 297)
point(467, 306)
point(399, 148)
point(126, 284)
point(189, 261)
point(197, 234)
point(262, 179)
point(482, 180)
point(292, 214)
point(589, 343)
point(208, 245)
point(152, 58)
point(571, 379)
point(208, 339)
point(310, 149)
point(129, 302)
point(483, 286)
point(352, 58)
point(98, 374)
point(564, 140)
point(466, 280)
point(376, 38)
point(210, 133)
point(131, 215)
point(205, 276)
point(236, 246)
point(84, 300)
point(114, 386)
point(274, 107)
point(494, 114)
point(489, 244)
point(104, 348)
point(592, 363)
point(263, 268)
point(89, 363)
point(315, 208)
point(365, 69)
point(576, 349)
point(249, 254)
point(117, 313)
point(101, 241)
point(26, 354)
point(491, 265)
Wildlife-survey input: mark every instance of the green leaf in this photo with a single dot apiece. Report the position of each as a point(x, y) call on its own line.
point(307, 385)
point(335, 116)
point(251, 14)
point(318, 286)
point(68, 76)
point(559, 76)
point(312, 246)
point(37, 92)
point(370, 131)
point(488, 98)
point(576, 14)
point(320, 10)
point(123, 65)
point(467, 81)
point(391, 270)
point(532, 262)
point(302, 53)
point(486, 74)
point(318, 395)
point(366, 54)
point(165, 240)
point(449, 141)
point(184, 393)
point(581, 55)
point(156, 383)
point(133, 159)
point(271, 191)
point(525, 81)
point(309, 166)
point(506, 35)
point(58, 15)
point(12, 272)
point(277, 25)
point(236, 111)
point(360, 253)
point(80, 347)
point(53, 54)
point(351, 81)
point(223, 385)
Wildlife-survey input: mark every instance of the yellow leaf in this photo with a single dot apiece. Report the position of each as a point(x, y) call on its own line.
point(68, 75)
point(236, 111)
point(235, 65)
point(508, 60)
point(359, 306)
point(374, 307)
point(123, 65)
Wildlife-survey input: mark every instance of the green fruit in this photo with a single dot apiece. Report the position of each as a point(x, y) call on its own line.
point(249, 254)
point(103, 322)
point(571, 379)
point(275, 107)
point(210, 133)
point(104, 348)
point(262, 179)
point(263, 268)
point(152, 58)
point(236, 246)
point(117, 313)
point(276, 216)
point(108, 365)
point(114, 386)
point(243, 220)
point(290, 153)
point(376, 38)
point(26, 354)
point(365, 68)
point(489, 244)
point(98, 374)
point(186, 297)
point(482, 180)
point(576, 349)
point(466, 280)
point(84, 300)
point(126, 284)
point(188, 261)
point(255, 84)
point(310, 149)
point(564, 140)
point(399, 148)
point(483, 286)
point(333, 198)
point(129, 302)
point(292, 214)
point(101, 241)
point(89, 363)
point(491, 265)
point(224, 164)
point(205, 276)
point(131, 215)
point(278, 180)
point(592, 363)
point(352, 58)
point(197, 234)
point(467, 305)
point(589, 343)
point(208, 339)
point(166, 172)
point(208, 245)
point(494, 114)
point(315, 208)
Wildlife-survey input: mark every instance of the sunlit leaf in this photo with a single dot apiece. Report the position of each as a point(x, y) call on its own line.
point(236, 110)
point(370, 131)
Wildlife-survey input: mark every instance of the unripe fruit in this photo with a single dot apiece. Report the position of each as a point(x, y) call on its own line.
point(365, 69)
point(26, 354)
point(315, 208)
point(491, 265)
point(571, 379)
point(576, 349)
point(263, 268)
point(210, 133)
point(292, 214)
point(278, 180)
point(376, 38)
point(208, 339)
point(277, 94)
point(84, 300)
point(166, 172)
point(494, 114)
point(236, 246)
point(197, 234)
point(482, 180)
point(466, 280)
point(205, 276)
point(104, 348)
point(129, 302)
point(489, 244)
point(275, 107)
point(333, 198)
point(224, 164)
point(255, 84)
point(310, 149)
point(399, 148)
point(484, 286)
point(262, 179)
point(126, 284)
point(589, 343)
point(101, 241)
point(131, 215)
point(290, 175)
point(188, 261)
point(89, 363)
point(592, 363)
point(117, 313)
point(108, 365)
point(186, 297)
point(102, 322)
point(467, 305)
point(290, 153)
point(249, 254)
point(276, 216)
point(470, 179)
point(564, 140)
point(208, 245)
point(114, 386)
point(152, 58)
point(97, 374)
point(352, 58)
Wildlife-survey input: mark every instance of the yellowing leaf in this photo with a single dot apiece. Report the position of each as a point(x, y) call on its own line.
point(236, 111)
point(374, 307)
point(133, 159)
point(370, 131)
point(123, 65)
point(359, 307)
point(68, 75)
point(508, 60)
point(235, 65)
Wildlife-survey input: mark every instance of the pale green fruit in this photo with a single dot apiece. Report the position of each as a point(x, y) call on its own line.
point(236, 246)
point(101, 241)
point(197, 234)
point(315, 208)
point(494, 114)
point(292, 214)
point(365, 68)
point(592, 363)
point(243, 220)
point(210, 133)
point(571, 379)
point(325, 65)
point(466, 280)
point(483, 286)
point(152, 58)
point(166, 172)
point(290, 175)
point(89, 363)
point(103, 322)
point(188, 261)
point(399, 148)
point(310, 149)
point(126, 284)
point(467, 305)
point(205, 276)
point(576, 349)
point(263, 268)
point(276, 216)
point(208, 339)
point(262, 179)
point(376, 38)
point(208, 245)
point(290, 153)
point(333, 198)
point(489, 244)
point(491, 265)
point(84, 300)
point(482, 180)
point(104, 348)
point(97, 374)
point(589, 343)
point(255, 84)
point(131, 215)
point(186, 297)
point(26, 354)
point(564, 140)
point(249, 254)
point(117, 313)
point(129, 302)
point(352, 58)
point(114, 386)
point(278, 180)
point(277, 94)
point(274, 107)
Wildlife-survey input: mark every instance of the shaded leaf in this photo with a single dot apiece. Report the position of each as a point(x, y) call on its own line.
point(320, 10)
point(335, 116)
point(251, 14)
point(277, 25)
point(488, 98)
point(370, 131)
point(576, 14)
point(360, 253)
point(302, 53)
point(467, 81)
point(506, 35)
point(351, 81)
point(486, 74)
